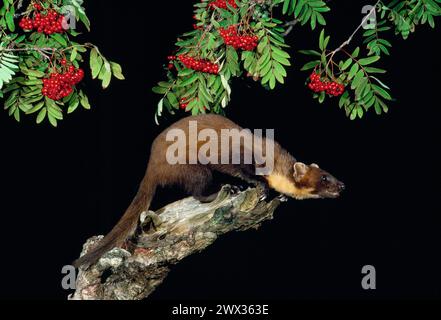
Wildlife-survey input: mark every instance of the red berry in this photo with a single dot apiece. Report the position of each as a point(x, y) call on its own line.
point(332, 88)
point(199, 65)
point(49, 23)
point(60, 85)
point(222, 4)
point(231, 38)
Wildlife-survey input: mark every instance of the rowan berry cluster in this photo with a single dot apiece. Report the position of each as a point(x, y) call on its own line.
point(335, 89)
point(332, 88)
point(231, 38)
point(61, 84)
point(26, 23)
point(222, 4)
point(199, 64)
point(47, 23)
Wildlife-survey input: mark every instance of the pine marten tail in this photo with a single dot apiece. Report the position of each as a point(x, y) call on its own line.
point(124, 228)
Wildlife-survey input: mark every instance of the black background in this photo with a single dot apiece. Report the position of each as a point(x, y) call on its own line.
point(60, 186)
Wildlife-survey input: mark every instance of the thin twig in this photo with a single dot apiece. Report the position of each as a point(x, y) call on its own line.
point(348, 41)
point(290, 25)
point(41, 51)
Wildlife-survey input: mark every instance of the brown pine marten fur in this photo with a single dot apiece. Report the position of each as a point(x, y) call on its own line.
point(289, 177)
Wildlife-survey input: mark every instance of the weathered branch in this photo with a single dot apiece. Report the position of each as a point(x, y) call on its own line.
point(181, 229)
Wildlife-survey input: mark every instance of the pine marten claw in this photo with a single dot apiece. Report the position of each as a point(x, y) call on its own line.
point(150, 220)
point(241, 188)
point(264, 190)
point(282, 198)
point(235, 189)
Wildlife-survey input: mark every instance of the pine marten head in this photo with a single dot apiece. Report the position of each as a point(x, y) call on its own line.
point(316, 182)
point(307, 182)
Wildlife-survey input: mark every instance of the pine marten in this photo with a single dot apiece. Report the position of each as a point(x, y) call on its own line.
point(288, 177)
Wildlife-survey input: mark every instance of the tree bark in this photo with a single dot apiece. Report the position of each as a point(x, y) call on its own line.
point(179, 230)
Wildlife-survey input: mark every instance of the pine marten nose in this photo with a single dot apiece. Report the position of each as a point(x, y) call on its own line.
point(341, 187)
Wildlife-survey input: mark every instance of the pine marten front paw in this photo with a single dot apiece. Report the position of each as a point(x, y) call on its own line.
point(264, 191)
point(282, 198)
point(233, 190)
point(236, 189)
point(241, 187)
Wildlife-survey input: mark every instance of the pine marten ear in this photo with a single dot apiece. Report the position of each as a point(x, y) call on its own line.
point(300, 170)
point(315, 166)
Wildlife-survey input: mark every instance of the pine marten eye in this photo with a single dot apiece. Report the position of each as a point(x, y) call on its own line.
point(325, 178)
